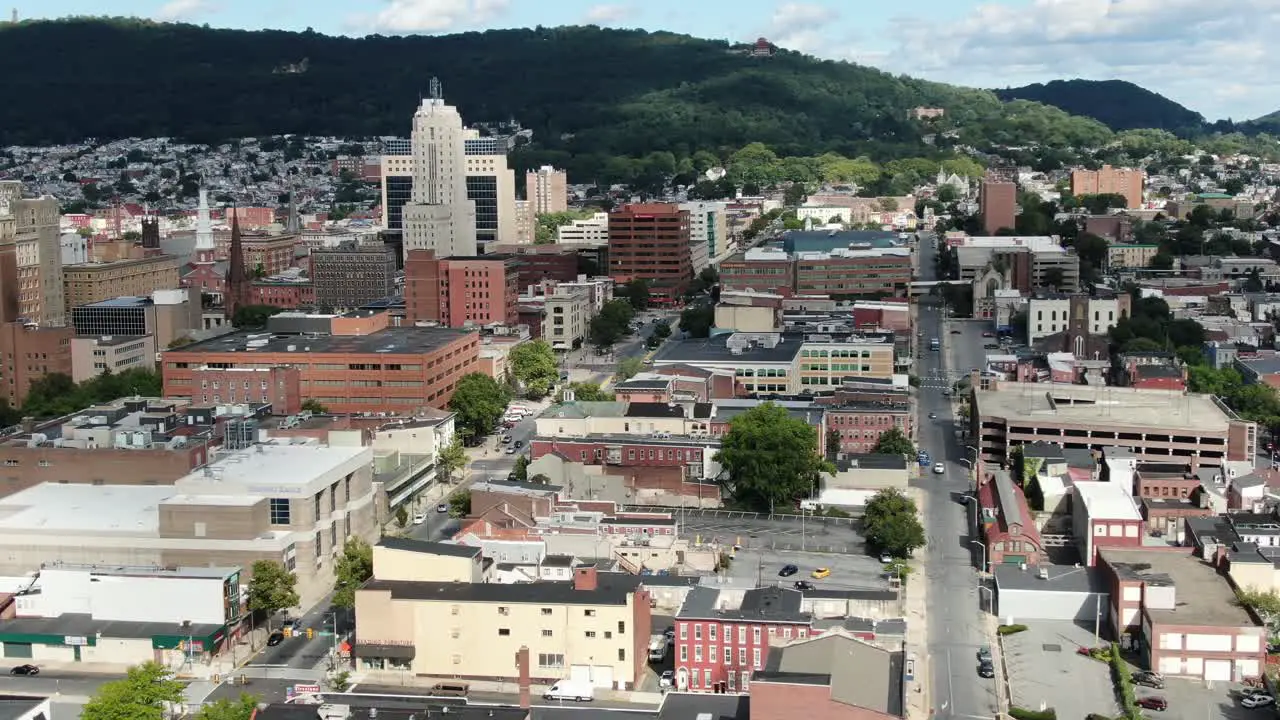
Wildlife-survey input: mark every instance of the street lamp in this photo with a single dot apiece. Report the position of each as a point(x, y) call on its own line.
point(984, 557)
point(991, 600)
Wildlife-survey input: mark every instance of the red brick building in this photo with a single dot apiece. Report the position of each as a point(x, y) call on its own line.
point(286, 295)
point(717, 649)
point(831, 676)
point(280, 386)
point(854, 272)
point(251, 216)
point(650, 241)
point(1009, 529)
point(692, 454)
point(860, 425)
point(771, 273)
point(456, 290)
point(1104, 514)
point(543, 262)
point(360, 365)
point(997, 205)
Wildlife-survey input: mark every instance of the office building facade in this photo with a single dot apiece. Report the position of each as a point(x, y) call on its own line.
point(439, 216)
point(1107, 180)
point(353, 275)
point(547, 190)
point(650, 242)
point(997, 205)
point(457, 291)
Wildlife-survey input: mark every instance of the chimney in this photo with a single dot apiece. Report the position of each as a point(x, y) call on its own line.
point(584, 578)
point(522, 673)
point(28, 424)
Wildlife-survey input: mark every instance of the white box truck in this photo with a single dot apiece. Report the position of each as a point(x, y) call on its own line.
point(657, 648)
point(579, 690)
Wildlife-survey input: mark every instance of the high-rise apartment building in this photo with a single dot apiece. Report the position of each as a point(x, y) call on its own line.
point(491, 185)
point(352, 275)
point(38, 254)
point(455, 291)
point(997, 205)
point(650, 241)
point(547, 190)
point(1110, 181)
point(439, 216)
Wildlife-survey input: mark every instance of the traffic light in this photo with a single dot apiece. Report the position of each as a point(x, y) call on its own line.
point(311, 632)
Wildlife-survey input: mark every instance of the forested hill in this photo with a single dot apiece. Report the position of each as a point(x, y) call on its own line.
point(582, 90)
point(1118, 104)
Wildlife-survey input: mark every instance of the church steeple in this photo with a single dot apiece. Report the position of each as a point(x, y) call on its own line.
point(204, 230)
point(237, 291)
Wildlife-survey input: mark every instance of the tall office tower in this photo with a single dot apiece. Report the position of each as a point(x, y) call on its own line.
point(1108, 180)
point(650, 241)
point(547, 190)
point(205, 247)
point(439, 217)
point(491, 185)
point(39, 254)
point(997, 205)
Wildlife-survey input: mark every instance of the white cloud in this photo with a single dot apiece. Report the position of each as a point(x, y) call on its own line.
point(407, 16)
point(802, 27)
point(607, 14)
point(179, 10)
point(1173, 47)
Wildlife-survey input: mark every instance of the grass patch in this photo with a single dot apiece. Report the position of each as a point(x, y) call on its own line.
point(1010, 629)
point(1124, 685)
point(1018, 713)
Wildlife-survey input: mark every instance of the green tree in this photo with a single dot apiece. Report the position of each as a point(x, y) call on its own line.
point(460, 504)
point(353, 568)
point(533, 364)
point(891, 523)
point(453, 457)
point(662, 330)
point(894, 442)
point(794, 194)
point(771, 459)
point(1054, 277)
point(698, 321)
point(1266, 603)
point(314, 406)
point(611, 323)
point(402, 517)
point(479, 402)
point(242, 708)
point(272, 588)
point(629, 367)
point(146, 692)
point(587, 392)
point(521, 469)
point(253, 316)
point(637, 293)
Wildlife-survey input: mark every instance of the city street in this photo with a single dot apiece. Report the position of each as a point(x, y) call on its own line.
point(954, 619)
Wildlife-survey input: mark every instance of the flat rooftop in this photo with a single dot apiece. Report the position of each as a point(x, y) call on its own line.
point(1107, 501)
point(390, 341)
point(275, 464)
point(1202, 596)
point(1062, 404)
point(80, 509)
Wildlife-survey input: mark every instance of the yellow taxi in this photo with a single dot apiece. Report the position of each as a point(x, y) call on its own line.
point(820, 573)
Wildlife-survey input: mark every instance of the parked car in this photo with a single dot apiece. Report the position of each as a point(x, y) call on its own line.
point(511, 450)
point(933, 416)
point(886, 558)
point(518, 444)
point(820, 573)
point(788, 571)
point(668, 679)
point(1257, 701)
point(803, 585)
point(939, 469)
point(419, 519)
point(1251, 691)
point(275, 638)
point(1154, 702)
point(955, 332)
point(25, 670)
point(670, 634)
point(986, 669)
point(984, 654)
point(506, 439)
point(1148, 678)
point(442, 508)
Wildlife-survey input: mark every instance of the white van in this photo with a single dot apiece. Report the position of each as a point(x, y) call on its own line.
point(579, 690)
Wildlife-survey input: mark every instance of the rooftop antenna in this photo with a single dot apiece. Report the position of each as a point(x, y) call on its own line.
point(437, 92)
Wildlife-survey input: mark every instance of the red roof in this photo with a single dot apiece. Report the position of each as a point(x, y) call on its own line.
point(999, 530)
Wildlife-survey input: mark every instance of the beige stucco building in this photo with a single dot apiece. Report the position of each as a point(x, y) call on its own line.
point(1125, 255)
point(93, 356)
point(429, 612)
point(569, 311)
point(138, 277)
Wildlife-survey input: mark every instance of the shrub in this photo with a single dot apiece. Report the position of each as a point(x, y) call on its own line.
point(1010, 629)
point(1124, 685)
point(1096, 716)
point(1018, 713)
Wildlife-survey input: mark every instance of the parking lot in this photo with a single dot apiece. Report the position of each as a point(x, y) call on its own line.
point(1043, 667)
point(766, 544)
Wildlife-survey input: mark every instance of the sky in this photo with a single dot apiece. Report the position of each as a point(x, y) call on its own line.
point(1209, 55)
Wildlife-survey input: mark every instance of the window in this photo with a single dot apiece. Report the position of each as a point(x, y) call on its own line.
point(279, 511)
point(697, 631)
point(697, 653)
point(550, 660)
point(622, 654)
point(546, 611)
point(755, 658)
point(503, 610)
point(713, 652)
point(755, 635)
point(711, 632)
point(742, 656)
point(742, 634)
point(728, 655)
point(546, 633)
point(732, 677)
point(684, 631)
point(622, 628)
point(589, 613)
point(504, 632)
point(684, 653)
point(706, 678)
point(590, 633)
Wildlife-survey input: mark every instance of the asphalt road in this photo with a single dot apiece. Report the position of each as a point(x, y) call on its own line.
point(955, 621)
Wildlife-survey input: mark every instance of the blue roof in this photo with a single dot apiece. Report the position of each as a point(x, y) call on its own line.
point(827, 240)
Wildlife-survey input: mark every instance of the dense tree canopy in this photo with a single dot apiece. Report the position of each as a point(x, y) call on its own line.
point(354, 566)
point(56, 394)
point(479, 401)
point(644, 91)
point(534, 366)
point(147, 692)
point(891, 523)
point(771, 458)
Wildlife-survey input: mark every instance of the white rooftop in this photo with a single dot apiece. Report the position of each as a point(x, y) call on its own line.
point(1107, 501)
point(276, 467)
point(765, 253)
point(1039, 243)
point(852, 253)
point(81, 509)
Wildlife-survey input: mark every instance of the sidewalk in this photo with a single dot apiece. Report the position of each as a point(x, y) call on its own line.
point(918, 701)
